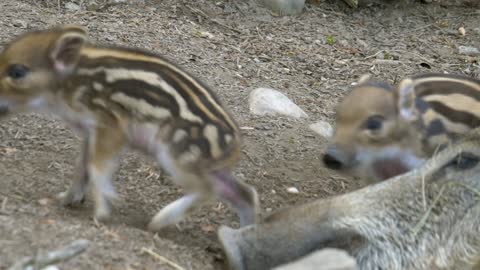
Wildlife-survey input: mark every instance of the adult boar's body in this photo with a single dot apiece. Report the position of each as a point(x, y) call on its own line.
point(428, 218)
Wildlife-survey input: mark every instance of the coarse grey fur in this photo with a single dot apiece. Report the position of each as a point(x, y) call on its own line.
point(428, 218)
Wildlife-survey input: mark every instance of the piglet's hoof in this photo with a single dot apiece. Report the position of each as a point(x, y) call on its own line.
point(68, 199)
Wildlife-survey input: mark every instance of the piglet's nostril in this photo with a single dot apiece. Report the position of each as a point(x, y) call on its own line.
point(332, 162)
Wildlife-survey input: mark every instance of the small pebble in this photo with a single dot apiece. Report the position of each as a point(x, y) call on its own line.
point(44, 201)
point(20, 23)
point(206, 35)
point(467, 50)
point(322, 128)
point(293, 190)
point(72, 7)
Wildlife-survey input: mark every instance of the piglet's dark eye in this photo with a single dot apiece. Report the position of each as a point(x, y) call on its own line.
point(17, 71)
point(374, 123)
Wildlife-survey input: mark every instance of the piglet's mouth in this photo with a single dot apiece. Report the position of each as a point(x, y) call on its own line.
point(388, 168)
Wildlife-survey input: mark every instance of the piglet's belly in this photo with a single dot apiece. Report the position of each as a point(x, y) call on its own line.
point(143, 136)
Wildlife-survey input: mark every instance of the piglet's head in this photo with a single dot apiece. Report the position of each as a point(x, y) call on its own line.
point(32, 65)
point(376, 136)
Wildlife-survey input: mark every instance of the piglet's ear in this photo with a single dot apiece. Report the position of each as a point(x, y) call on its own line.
point(65, 51)
point(406, 100)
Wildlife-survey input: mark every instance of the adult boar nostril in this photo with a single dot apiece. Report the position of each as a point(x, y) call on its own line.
point(332, 162)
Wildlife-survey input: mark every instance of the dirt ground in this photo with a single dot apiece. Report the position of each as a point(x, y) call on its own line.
point(312, 58)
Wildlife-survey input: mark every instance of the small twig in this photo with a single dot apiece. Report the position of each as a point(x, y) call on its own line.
point(42, 260)
point(3, 211)
point(4, 204)
point(381, 51)
point(238, 7)
point(423, 27)
point(424, 218)
point(424, 199)
point(386, 62)
point(199, 12)
point(259, 34)
point(109, 4)
point(250, 158)
point(161, 258)
point(13, 196)
point(375, 54)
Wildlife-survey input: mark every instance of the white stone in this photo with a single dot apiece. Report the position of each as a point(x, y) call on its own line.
point(265, 101)
point(325, 259)
point(322, 128)
point(293, 190)
point(51, 267)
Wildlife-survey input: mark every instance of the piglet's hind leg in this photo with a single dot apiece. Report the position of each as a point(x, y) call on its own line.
point(242, 197)
point(176, 211)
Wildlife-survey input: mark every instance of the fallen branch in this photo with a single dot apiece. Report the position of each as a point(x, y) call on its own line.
point(43, 260)
point(161, 258)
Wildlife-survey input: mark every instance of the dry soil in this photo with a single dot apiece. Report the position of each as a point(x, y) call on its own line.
point(235, 47)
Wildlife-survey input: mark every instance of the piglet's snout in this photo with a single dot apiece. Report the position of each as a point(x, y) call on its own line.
point(335, 158)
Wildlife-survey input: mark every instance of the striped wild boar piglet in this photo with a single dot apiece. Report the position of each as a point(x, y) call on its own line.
point(383, 131)
point(117, 97)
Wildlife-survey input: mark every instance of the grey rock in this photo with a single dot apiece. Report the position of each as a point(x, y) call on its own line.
point(322, 128)
point(325, 259)
point(266, 101)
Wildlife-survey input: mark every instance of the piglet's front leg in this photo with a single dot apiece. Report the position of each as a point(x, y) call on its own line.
point(75, 195)
point(106, 144)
